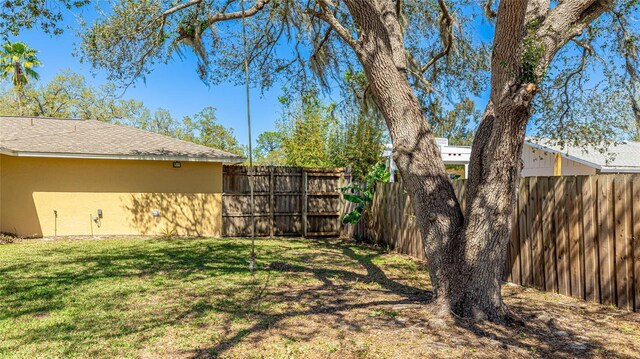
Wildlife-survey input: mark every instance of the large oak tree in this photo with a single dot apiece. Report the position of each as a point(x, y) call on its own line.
point(409, 50)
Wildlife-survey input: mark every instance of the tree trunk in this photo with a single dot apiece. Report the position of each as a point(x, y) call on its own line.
point(465, 257)
point(19, 97)
point(491, 192)
point(465, 253)
point(415, 151)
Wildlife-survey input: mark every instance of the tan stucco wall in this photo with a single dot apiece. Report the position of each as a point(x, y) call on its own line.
point(189, 199)
point(540, 163)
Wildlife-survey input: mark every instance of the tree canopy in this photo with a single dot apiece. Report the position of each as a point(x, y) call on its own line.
point(16, 16)
point(287, 41)
point(18, 62)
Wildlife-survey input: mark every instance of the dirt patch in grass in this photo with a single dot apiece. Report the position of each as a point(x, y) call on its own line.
point(309, 299)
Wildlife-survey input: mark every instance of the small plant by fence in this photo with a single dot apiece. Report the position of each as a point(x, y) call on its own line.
point(578, 236)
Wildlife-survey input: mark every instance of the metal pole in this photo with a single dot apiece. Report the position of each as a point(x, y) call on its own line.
point(252, 261)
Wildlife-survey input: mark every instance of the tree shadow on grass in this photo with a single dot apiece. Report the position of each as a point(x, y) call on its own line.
point(511, 339)
point(334, 304)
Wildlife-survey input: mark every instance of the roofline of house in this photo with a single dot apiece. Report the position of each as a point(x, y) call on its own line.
point(565, 155)
point(231, 160)
point(619, 169)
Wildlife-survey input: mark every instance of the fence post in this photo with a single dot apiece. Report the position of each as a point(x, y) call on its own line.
point(304, 202)
point(272, 205)
point(341, 204)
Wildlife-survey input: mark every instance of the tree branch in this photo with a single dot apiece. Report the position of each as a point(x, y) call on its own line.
point(180, 7)
point(506, 59)
point(446, 34)
point(564, 22)
point(537, 10)
point(565, 87)
point(330, 19)
point(222, 16)
point(630, 53)
point(168, 12)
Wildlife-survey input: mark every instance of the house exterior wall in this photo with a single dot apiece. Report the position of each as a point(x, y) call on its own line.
point(187, 199)
point(540, 163)
point(573, 168)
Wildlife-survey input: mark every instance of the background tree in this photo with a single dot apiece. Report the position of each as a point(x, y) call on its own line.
point(406, 50)
point(358, 142)
point(68, 95)
point(305, 129)
point(159, 121)
point(456, 124)
point(18, 62)
point(203, 129)
point(268, 150)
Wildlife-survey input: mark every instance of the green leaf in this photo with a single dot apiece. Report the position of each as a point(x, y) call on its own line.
point(352, 217)
point(353, 198)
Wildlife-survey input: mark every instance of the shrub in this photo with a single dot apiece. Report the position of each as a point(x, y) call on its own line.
point(8, 238)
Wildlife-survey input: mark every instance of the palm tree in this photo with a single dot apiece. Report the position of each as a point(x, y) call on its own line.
point(17, 60)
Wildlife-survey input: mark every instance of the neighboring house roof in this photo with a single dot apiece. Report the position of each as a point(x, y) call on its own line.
point(621, 157)
point(72, 138)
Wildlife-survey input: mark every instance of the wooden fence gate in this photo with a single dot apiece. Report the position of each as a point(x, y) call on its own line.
point(289, 201)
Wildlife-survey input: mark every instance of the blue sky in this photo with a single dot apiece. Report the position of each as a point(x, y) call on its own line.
point(175, 86)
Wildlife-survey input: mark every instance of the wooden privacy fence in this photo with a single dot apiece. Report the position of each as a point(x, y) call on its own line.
point(578, 236)
point(289, 201)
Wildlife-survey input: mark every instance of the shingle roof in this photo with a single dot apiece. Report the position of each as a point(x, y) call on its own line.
point(621, 157)
point(95, 139)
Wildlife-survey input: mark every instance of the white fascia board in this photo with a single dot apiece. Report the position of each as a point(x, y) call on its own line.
point(232, 160)
point(455, 162)
point(620, 170)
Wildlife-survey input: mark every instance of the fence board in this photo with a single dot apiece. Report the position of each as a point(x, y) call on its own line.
point(574, 235)
point(535, 215)
point(560, 220)
point(605, 236)
point(622, 268)
point(548, 235)
point(591, 275)
point(578, 236)
point(635, 205)
point(525, 234)
point(516, 267)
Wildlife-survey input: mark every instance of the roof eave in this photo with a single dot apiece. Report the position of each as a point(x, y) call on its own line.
point(230, 160)
point(620, 169)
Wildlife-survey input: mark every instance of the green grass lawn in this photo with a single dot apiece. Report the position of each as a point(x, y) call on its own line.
point(191, 298)
point(137, 297)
